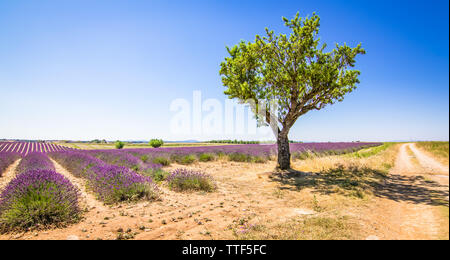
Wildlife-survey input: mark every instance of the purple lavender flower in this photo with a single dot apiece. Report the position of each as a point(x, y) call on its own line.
point(120, 158)
point(111, 183)
point(250, 151)
point(38, 198)
point(35, 161)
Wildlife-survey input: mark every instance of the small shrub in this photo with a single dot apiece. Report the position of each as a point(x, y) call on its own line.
point(175, 158)
point(115, 184)
point(159, 175)
point(206, 157)
point(188, 159)
point(161, 160)
point(304, 155)
point(155, 143)
point(144, 158)
point(119, 145)
point(259, 159)
point(221, 156)
point(239, 157)
point(135, 168)
point(183, 179)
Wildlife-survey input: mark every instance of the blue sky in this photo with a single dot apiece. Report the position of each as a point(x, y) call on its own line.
point(110, 69)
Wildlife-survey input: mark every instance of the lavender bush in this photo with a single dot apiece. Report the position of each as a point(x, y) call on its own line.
point(6, 159)
point(114, 183)
point(119, 158)
point(35, 161)
point(110, 183)
point(38, 199)
point(184, 179)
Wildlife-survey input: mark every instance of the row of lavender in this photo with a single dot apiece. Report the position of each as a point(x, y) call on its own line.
point(38, 196)
point(250, 152)
point(178, 180)
point(114, 179)
point(29, 147)
point(111, 183)
point(148, 162)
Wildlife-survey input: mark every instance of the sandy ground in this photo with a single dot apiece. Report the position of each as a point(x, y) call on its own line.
point(8, 175)
point(406, 206)
point(429, 164)
point(243, 192)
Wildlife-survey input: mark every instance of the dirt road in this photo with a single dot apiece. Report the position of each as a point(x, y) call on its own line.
point(429, 164)
point(412, 201)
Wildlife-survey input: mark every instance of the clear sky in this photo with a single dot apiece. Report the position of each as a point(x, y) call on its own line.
point(86, 69)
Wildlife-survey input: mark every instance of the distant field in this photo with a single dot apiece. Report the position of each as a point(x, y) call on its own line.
point(440, 150)
point(93, 146)
point(24, 148)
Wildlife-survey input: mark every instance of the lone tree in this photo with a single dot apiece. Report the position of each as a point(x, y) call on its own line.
point(291, 71)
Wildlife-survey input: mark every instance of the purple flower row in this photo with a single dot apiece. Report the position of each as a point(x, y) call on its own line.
point(28, 147)
point(51, 189)
point(37, 196)
point(110, 183)
point(35, 161)
point(120, 158)
point(256, 150)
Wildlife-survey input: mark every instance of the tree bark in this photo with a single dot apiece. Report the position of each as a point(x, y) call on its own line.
point(284, 154)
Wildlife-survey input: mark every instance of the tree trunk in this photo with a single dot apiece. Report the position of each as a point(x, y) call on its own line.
point(284, 154)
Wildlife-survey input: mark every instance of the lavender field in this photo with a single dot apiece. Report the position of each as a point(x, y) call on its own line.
point(39, 194)
point(249, 151)
point(135, 193)
point(24, 148)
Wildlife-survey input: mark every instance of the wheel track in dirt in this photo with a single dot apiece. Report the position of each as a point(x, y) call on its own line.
point(429, 165)
point(407, 202)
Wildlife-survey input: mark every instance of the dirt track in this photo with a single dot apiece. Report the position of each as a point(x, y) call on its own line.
point(429, 164)
point(411, 200)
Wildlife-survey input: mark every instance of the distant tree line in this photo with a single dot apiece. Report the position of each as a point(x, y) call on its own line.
point(97, 141)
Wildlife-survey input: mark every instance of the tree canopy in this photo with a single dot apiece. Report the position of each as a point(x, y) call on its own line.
point(295, 72)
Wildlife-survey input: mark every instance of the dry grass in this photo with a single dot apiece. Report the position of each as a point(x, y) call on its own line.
point(334, 188)
point(439, 150)
point(307, 228)
point(381, 161)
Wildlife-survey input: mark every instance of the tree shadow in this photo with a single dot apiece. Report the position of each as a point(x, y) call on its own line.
point(359, 181)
